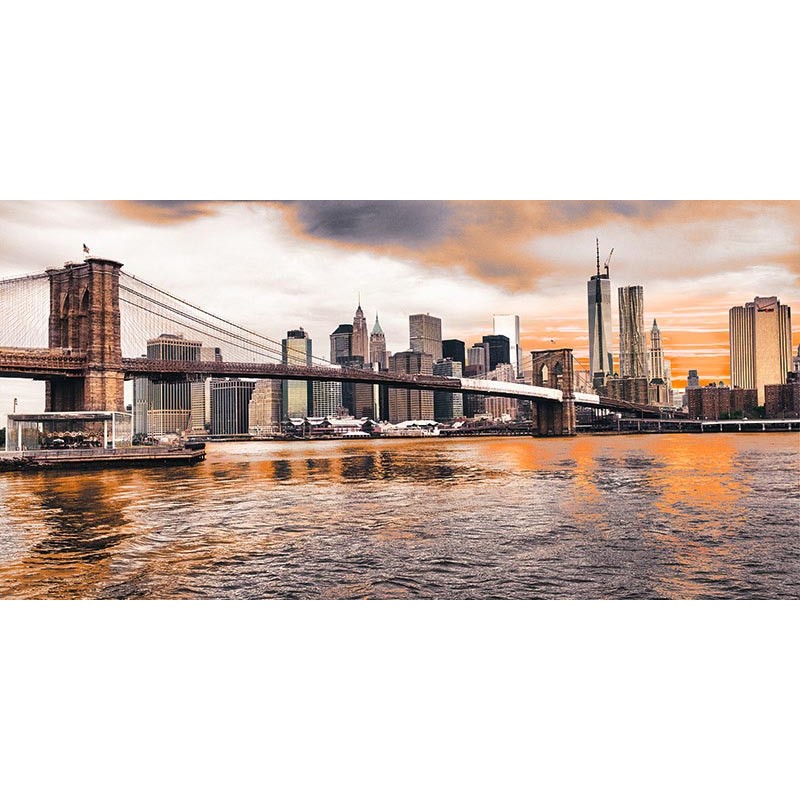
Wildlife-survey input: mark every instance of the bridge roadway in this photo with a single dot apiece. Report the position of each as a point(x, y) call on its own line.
point(41, 364)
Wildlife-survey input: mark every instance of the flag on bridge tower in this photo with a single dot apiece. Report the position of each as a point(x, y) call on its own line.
point(85, 248)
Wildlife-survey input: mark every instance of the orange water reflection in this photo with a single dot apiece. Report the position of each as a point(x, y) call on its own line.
point(662, 513)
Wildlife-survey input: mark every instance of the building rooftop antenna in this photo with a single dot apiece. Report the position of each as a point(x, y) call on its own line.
point(598, 257)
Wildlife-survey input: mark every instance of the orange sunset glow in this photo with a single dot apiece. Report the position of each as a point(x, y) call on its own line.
point(272, 266)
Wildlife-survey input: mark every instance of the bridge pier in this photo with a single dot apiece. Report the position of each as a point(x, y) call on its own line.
point(555, 370)
point(554, 419)
point(84, 320)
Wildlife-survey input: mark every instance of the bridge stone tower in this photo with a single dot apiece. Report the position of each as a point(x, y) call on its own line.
point(84, 320)
point(555, 370)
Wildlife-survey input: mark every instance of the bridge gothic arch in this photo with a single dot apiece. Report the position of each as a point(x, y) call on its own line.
point(554, 369)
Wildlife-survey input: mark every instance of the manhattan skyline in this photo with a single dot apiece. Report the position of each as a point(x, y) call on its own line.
point(276, 266)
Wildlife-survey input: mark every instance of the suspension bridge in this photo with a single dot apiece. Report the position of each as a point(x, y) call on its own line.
point(83, 329)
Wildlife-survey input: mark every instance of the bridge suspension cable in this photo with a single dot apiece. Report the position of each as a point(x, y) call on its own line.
point(147, 312)
point(24, 311)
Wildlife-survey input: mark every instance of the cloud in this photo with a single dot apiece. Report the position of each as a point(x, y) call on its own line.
point(521, 245)
point(163, 212)
point(376, 222)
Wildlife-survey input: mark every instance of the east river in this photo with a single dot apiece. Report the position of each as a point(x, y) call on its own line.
point(637, 516)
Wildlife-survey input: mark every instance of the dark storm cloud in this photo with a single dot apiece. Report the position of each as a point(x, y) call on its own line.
point(377, 222)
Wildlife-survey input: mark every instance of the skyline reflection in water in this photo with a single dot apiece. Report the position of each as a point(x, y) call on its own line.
point(658, 516)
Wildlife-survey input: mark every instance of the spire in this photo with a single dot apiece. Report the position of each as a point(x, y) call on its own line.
point(655, 325)
point(377, 330)
point(359, 302)
point(598, 256)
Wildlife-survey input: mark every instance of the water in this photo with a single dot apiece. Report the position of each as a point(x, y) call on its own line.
point(658, 516)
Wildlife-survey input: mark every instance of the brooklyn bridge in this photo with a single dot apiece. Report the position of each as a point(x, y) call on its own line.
point(82, 327)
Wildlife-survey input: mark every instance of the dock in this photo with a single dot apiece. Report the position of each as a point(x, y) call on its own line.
point(94, 458)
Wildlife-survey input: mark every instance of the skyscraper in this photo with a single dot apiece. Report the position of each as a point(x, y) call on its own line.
point(632, 342)
point(264, 411)
point(326, 398)
point(165, 407)
point(761, 344)
point(601, 361)
point(447, 405)
point(478, 357)
point(296, 351)
point(499, 350)
point(360, 345)
point(659, 391)
point(454, 348)
point(508, 325)
point(230, 400)
point(377, 345)
point(425, 334)
point(405, 404)
point(342, 343)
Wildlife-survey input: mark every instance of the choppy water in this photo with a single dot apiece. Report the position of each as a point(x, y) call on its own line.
point(659, 516)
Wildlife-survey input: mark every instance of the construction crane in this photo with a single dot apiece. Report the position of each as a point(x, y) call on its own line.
point(607, 260)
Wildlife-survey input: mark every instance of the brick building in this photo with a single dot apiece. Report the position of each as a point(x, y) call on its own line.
point(720, 402)
point(782, 400)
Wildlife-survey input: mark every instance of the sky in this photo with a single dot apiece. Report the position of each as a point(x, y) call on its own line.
point(274, 266)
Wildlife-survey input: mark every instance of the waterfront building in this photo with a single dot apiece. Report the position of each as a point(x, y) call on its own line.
point(447, 406)
point(632, 342)
point(508, 325)
point(455, 349)
point(407, 404)
point(200, 411)
point(425, 335)
point(360, 342)
point(717, 401)
point(499, 350)
point(760, 344)
point(264, 410)
point(377, 346)
point(296, 351)
point(326, 398)
point(230, 400)
point(601, 360)
point(782, 400)
point(165, 407)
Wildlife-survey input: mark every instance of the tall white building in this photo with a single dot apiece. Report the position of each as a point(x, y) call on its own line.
point(761, 344)
point(508, 325)
point(601, 359)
